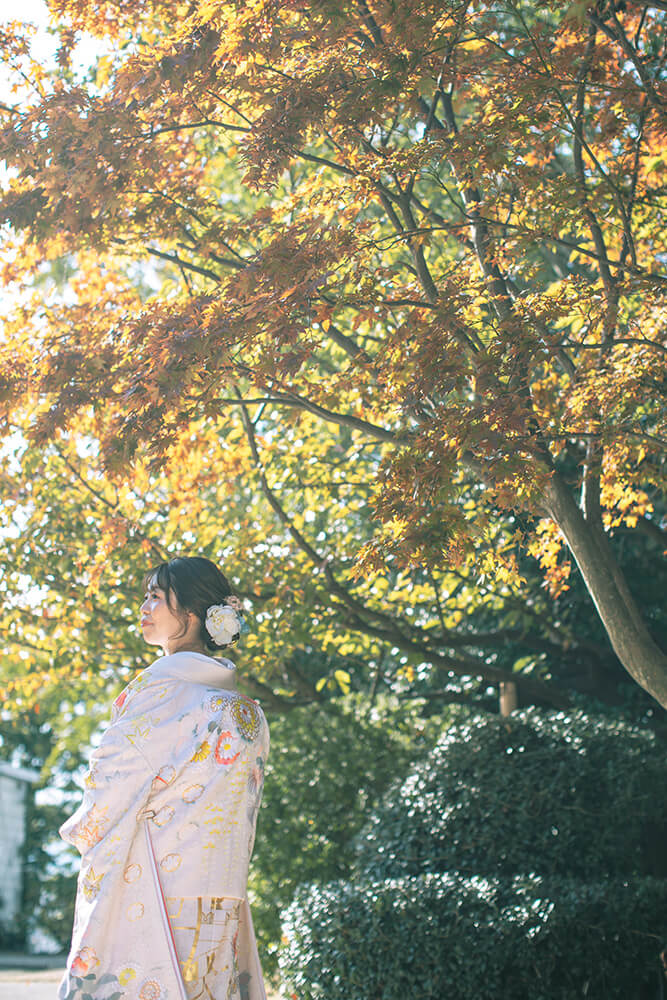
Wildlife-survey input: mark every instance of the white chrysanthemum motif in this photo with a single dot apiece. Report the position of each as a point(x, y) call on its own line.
point(222, 623)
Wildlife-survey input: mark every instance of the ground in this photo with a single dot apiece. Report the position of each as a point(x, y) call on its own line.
point(39, 984)
point(29, 984)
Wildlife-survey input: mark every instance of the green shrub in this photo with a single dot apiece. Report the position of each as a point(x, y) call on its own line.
point(451, 936)
point(522, 859)
point(569, 794)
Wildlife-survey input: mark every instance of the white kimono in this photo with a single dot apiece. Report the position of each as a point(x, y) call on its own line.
point(166, 830)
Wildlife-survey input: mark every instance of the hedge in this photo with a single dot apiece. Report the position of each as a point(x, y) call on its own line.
point(452, 936)
point(523, 859)
point(558, 793)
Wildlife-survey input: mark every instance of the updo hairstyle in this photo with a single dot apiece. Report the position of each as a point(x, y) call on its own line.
point(196, 583)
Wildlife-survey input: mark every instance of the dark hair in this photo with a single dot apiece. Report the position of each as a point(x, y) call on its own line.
point(196, 583)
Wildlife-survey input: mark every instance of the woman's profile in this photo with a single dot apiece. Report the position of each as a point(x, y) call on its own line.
point(167, 823)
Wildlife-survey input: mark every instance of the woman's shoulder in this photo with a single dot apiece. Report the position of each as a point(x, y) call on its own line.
point(244, 710)
point(139, 682)
point(156, 690)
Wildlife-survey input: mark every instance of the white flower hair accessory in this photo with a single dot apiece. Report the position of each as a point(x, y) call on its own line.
point(224, 621)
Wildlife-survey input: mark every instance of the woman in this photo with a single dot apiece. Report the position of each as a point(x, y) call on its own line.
point(167, 822)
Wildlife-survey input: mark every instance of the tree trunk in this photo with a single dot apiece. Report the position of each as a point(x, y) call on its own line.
point(627, 631)
point(509, 698)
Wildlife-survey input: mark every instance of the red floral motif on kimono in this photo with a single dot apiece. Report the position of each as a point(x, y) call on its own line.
point(84, 961)
point(120, 700)
point(223, 749)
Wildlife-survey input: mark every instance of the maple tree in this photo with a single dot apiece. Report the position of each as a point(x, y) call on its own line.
point(406, 263)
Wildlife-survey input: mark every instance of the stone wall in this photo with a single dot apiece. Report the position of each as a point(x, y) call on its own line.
point(15, 788)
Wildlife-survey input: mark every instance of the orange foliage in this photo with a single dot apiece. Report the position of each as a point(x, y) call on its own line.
point(437, 226)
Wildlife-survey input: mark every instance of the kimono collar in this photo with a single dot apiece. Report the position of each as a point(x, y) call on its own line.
point(195, 668)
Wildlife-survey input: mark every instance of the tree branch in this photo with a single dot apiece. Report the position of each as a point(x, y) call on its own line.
point(278, 702)
point(618, 35)
point(472, 666)
point(159, 551)
point(175, 259)
point(343, 419)
point(183, 126)
point(446, 697)
point(593, 224)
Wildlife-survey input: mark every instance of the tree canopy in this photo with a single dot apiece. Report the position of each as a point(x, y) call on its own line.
point(367, 298)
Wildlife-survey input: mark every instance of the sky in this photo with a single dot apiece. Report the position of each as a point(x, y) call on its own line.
point(45, 43)
point(35, 11)
point(44, 48)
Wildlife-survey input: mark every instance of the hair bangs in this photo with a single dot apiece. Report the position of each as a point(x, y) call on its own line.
point(160, 578)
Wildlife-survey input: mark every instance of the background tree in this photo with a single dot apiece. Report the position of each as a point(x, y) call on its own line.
point(74, 546)
point(434, 229)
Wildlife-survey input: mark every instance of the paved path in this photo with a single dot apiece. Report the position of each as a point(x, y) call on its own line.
point(28, 984)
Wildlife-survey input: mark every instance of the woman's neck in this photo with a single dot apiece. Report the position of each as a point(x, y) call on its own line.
point(185, 648)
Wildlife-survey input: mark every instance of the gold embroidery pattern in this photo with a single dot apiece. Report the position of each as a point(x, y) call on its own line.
point(207, 933)
point(201, 753)
point(164, 815)
point(91, 884)
point(170, 862)
point(127, 974)
point(92, 831)
point(151, 990)
point(135, 911)
point(140, 733)
point(246, 716)
point(175, 901)
point(132, 873)
point(192, 793)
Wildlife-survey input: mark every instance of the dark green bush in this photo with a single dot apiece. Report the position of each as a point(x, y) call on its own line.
point(569, 794)
point(12, 935)
point(523, 859)
point(438, 937)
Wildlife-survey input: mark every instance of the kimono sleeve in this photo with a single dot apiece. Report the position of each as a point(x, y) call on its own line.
point(116, 786)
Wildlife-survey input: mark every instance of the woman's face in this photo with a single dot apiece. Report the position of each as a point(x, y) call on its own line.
point(157, 620)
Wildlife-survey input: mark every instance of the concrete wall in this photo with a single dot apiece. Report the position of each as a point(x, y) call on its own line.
point(15, 788)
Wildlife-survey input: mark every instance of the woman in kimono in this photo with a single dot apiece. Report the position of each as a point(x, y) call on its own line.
point(167, 822)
